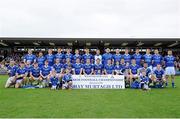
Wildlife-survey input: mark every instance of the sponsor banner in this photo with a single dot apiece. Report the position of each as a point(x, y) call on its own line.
point(98, 81)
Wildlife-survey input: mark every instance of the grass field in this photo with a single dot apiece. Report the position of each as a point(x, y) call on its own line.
point(89, 103)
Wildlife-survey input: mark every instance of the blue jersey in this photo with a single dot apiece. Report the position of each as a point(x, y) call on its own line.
point(159, 73)
point(109, 68)
point(21, 71)
point(157, 59)
point(148, 59)
point(147, 70)
point(169, 61)
point(12, 70)
point(40, 61)
point(70, 56)
point(144, 79)
point(67, 77)
point(134, 68)
point(45, 70)
point(87, 56)
point(117, 57)
point(118, 67)
point(138, 58)
point(58, 67)
point(28, 68)
point(30, 58)
point(50, 59)
point(98, 68)
point(54, 81)
point(35, 71)
point(77, 68)
point(76, 56)
point(88, 68)
point(60, 56)
point(67, 65)
point(106, 57)
point(127, 58)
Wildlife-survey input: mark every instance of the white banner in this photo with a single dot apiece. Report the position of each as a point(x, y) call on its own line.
point(98, 81)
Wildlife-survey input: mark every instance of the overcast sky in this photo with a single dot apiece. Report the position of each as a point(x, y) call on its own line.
point(90, 18)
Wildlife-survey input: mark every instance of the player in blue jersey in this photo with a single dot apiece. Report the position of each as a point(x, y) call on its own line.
point(156, 59)
point(109, 68)
point(58, 67)
point(45, 74)
point(54, 80)
point(60, 55)
point(50, 57)
point(134, 71)
point(67, 80)
point(88, 68)
point(159, 76)
point(77, 67)
point(68, 64)
point(28, 68)
point(11, 69)
point(107, 56)
point(21, 74)
point(148, 58)
point(76, 56)
point(68, 55)
point(144, 81)
point(35, 76)
point(30, 57)
point(147, 70)
point(97, 56)
point(118, 69)
point(127, 57)
point(98, 67)
point(40, 59)
point(117, 56)
point(170, 67)
point(87, 55)
point(138, 57)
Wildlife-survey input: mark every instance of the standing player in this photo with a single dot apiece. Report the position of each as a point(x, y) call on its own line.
point(35, 77)
point(40, 59)
point(20, 75)
point(11, 72)
point(98, 67)
point(148, 58)
point(30, 57)
point(59, 55)
point(138, 57)
point(156, 59)
point(28, 68)
point(109, 68)
point(170, 69)
point(68, 55)
point(117, 57)
point(76, 56)
point(127, 56)
point(88, 68)
point(50, 57)
point(67, 80)
point(159, 76)
point(77, 67)
point(68, 64)
point(107, 56)
point(97, 56)
point(87, 55)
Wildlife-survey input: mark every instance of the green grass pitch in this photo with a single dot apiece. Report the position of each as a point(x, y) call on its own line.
point(89, 103)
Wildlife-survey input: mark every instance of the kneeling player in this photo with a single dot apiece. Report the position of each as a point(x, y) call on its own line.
point(11, 72)
point(21, 75)
point(159, 76)
point(35, 77)
point(54, 80)
point(67, 80)
point(144, 81)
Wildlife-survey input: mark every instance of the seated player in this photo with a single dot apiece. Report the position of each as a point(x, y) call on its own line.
point(58, 67)
point(77, 67)
point(21, 75)
point(98, 67)
point(28, 70)
point(68, 64)
point(67, 80)
point(54, 81)
point(159, 76)
point(35, 77)
point(144, 81)
point(12, 74)
point(118, 69)
point(134, 71)
point(147, 70)
point(45, 74)
point(88, 68)
point(109, 68)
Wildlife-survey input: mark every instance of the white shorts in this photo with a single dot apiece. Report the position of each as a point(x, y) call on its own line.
point(19, 81)
point(36, 78)
point(154, 68)
point(10, 81)
point(170, 71)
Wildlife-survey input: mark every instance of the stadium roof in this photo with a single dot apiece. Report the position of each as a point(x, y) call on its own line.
point(81, 42)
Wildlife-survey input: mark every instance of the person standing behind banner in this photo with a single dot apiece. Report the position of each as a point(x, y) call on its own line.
point(88, 68)
point(127, 57)
point(86, 56)
point(147, 58)
point(117, 57)
point(40, 59)
point(109, 68)
point(76, 56)
point(98, 67)
point(68, 54)
point(138, 57)
point(50, 57)
point(97, 56)
point(156, 59)
point(30, 57)
point(107, 56)
point(77, 67)
point(60, 55)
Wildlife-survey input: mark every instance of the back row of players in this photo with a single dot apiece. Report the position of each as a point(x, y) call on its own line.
point(51, 68)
